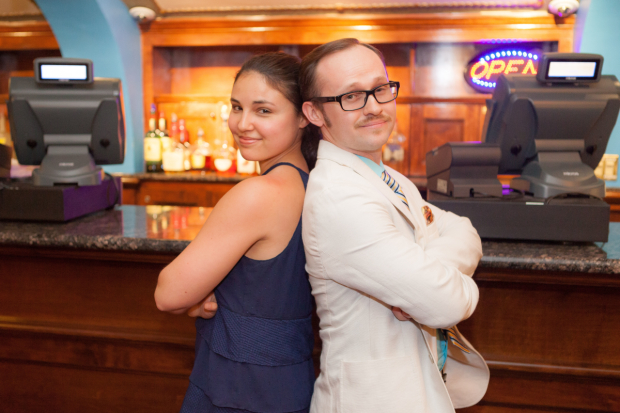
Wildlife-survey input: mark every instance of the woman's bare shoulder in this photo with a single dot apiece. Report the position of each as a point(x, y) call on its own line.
point(258, 196)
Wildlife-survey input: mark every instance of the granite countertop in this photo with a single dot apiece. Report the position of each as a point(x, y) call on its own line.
point(588, 257)
point(129, 228)
point(157, 229)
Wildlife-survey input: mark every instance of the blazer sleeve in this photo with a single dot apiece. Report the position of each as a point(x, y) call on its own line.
point(458, 243)
point(351, 238)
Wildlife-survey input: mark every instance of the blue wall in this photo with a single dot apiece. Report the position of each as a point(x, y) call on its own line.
point(598, 24)
point(104, 32)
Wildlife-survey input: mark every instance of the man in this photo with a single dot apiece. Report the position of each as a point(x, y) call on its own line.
point(375, 250)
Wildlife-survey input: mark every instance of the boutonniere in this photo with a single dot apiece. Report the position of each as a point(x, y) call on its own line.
point(428, 215)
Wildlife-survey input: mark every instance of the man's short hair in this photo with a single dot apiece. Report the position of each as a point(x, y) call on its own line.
point(307, 74)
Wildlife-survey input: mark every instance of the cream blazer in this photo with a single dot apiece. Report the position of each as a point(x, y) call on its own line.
point(366, 251)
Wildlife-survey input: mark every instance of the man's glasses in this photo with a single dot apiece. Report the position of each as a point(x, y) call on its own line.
point(357, 100)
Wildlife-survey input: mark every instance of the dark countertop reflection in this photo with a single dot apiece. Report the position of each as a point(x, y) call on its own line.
point(124, 228)
point(168, 229)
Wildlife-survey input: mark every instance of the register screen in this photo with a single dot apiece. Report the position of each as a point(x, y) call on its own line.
point(64, 72)
point(572, 69)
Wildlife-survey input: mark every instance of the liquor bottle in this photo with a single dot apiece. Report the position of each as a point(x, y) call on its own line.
point(166, 140)
point(184, 140)
point(201, 155)
point(174, 127)
point(183, 133)
point(152, 145)
point(173, 160)
point(225, 156)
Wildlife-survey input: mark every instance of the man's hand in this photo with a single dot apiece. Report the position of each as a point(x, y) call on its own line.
point(400, 314)
point(205, 309)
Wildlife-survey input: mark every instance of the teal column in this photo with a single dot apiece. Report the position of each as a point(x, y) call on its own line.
point(600, 35)
point(104, 32)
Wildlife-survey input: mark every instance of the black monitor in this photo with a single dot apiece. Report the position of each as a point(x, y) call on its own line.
point(66, 121)
point(553, 129)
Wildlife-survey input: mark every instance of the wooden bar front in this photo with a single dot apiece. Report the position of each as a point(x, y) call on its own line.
point(550, 339)
point(79, 330)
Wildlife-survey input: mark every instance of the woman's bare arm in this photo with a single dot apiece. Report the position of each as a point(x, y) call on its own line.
point(235, 224)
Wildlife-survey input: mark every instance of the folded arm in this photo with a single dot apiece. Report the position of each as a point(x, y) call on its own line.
point(233, 226)
point(458, 243)
point(359, 246)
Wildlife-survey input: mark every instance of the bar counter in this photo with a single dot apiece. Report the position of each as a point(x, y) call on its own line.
point(165, 229)
point(79, 330)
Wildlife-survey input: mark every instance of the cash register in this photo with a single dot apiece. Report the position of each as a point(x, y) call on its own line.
point(68, 122)
point(550, 131)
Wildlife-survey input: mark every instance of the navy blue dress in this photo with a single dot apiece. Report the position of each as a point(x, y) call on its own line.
point(255, 355)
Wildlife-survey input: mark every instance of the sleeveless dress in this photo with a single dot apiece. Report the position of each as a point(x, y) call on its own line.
point(255, 354)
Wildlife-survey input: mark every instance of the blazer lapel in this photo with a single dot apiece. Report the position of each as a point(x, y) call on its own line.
point(328, 150)
point(414, 199)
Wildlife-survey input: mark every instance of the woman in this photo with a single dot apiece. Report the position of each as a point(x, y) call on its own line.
point(255, 353)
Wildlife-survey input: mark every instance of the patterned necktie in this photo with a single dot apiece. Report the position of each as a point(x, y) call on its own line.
point(451, 333)
point(391, 182)
point(443, 335)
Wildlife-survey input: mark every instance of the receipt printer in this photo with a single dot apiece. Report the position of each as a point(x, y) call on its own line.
point(463, 170)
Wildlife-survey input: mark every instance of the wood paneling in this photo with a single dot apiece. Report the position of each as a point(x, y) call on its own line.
point(535, 392)
point(404, 127)
point(49, 388)
point(435, 124)
point(197, 58)
point(79, 331)
point(162, 66)
point(27, 35)
point(153, 192)
point(90, 293)
point(20, 44)
point(550, 339)
point(612, 197)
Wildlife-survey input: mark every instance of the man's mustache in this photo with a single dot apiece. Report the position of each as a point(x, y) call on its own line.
point(371, 119)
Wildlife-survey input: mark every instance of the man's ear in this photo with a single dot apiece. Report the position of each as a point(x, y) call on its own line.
point(312, 113)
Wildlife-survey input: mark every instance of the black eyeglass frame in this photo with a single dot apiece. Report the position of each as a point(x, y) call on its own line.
point(338, 98)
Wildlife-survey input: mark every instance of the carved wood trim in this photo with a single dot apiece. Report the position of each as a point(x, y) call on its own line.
point(341, 7)
point(90, 352)
point(107, 255)
point(83, 331)
point(489, 274)
point(29, 35)
point(525, 20)
point(555, 370)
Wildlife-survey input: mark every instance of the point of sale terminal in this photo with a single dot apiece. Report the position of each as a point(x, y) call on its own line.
point(551, 130)
point(68, 122)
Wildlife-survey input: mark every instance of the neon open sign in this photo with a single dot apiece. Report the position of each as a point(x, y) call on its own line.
point(484, 69)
